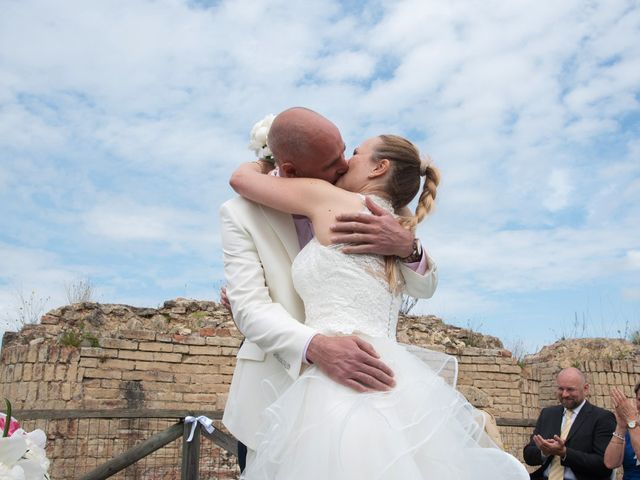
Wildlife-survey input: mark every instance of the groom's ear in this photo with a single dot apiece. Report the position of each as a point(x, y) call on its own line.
point(380, 168)
point(288, 169)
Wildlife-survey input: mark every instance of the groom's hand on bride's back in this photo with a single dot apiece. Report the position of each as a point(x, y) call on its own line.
point(378, 233)
point(350, 361)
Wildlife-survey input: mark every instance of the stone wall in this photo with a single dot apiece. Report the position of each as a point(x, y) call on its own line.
point(182, 356)
point(606, 363)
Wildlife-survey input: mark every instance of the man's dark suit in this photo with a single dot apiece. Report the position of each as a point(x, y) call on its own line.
point(586, 442)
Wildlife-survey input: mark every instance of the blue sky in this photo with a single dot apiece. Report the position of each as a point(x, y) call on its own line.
point(121, 121)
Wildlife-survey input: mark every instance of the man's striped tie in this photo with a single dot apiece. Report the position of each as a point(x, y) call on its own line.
point(556, 470)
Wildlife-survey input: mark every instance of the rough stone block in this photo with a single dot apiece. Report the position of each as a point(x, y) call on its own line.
point(96, 404)
point(166, 395)
point(221, 401)
point(43, 352)
point(189, 339)
point(204, 350)
point(200, 397)
point(201, 360)
point(488, 368)
point(17, 373)
point(107, 393)
point(484, 384)
point(49, 372)
point(135, 355)
point(167, 357)
point(26, 372)
point(180, 348)
point(101, 373)
point(38, 372)
point(67, 354)
point(32, 356)
point(511, 369)
point(22, 353)
point(224, 341)
point(207, 332)
point(110, 383)
point(98, 352)
point(116, 364)
point(138, 334)
point(61, 372)
point(156, 347)
point(89, 362)
point(150, 376)
point(53, 354)
point(32, 390)
point(65, 391)
point(49, 320)
point(118, 344)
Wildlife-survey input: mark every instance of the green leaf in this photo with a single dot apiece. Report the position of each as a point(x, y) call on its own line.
point(7, 420)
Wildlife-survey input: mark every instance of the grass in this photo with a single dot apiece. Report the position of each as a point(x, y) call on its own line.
point(79, 291)
point(74, 337)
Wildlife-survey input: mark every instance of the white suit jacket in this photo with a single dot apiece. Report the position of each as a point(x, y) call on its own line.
point(259, 245)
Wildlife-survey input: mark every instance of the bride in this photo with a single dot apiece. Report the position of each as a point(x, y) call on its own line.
point(318, 429)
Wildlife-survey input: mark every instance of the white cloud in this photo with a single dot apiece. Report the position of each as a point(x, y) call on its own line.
point(530, 260)
point(559, 185)
point(633, 257)
point(120, 122)
point(345, 66)
point(126, 222)
point(632, 294)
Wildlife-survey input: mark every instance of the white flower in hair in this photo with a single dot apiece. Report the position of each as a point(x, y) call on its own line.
point(258, 138)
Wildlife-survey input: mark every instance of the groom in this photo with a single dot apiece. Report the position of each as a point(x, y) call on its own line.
point(259, 246)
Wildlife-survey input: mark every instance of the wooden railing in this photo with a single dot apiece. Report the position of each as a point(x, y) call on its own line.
point(516, 422)
point(190, 450)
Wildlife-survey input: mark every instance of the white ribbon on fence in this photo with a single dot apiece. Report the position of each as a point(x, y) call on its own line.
point(206, 423)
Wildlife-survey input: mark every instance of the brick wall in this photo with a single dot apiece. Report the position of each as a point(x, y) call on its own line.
point(182, 356)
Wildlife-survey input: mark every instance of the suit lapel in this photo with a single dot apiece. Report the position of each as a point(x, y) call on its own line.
point(282, 224)
point(579, 420)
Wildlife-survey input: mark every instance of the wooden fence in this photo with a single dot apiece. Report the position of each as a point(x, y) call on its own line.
point(121, 452)
point(120, 441)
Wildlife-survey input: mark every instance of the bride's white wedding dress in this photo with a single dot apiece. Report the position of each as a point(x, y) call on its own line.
point(421, 429)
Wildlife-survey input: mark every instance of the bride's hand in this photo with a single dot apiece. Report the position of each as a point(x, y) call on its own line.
point(245, 176)
point(350, 361)
point(265, 166)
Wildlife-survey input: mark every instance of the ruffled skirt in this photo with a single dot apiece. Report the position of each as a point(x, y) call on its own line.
point(422, 429)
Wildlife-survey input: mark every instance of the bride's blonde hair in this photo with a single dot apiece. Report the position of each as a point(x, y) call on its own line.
point(407, 169)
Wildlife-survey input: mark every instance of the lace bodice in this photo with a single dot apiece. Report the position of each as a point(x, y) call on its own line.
point(345, 293)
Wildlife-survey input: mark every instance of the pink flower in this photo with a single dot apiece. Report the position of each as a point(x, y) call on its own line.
point(13, 426)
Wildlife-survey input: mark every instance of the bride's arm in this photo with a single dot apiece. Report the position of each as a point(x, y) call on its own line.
point(300, 196)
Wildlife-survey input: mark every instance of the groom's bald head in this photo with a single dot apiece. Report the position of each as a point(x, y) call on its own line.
point(306, 144)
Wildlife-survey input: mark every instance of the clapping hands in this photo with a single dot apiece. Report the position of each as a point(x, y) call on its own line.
point(625, 408)
point(550, 446)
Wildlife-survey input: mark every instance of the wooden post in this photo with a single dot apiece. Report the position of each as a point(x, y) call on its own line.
point(190, 452)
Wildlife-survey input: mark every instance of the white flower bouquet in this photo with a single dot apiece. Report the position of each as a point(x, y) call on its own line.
point(22, 454)
point(258, 138)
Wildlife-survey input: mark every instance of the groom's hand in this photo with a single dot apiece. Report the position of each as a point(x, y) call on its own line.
point(350, 361)
point(379, 233)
